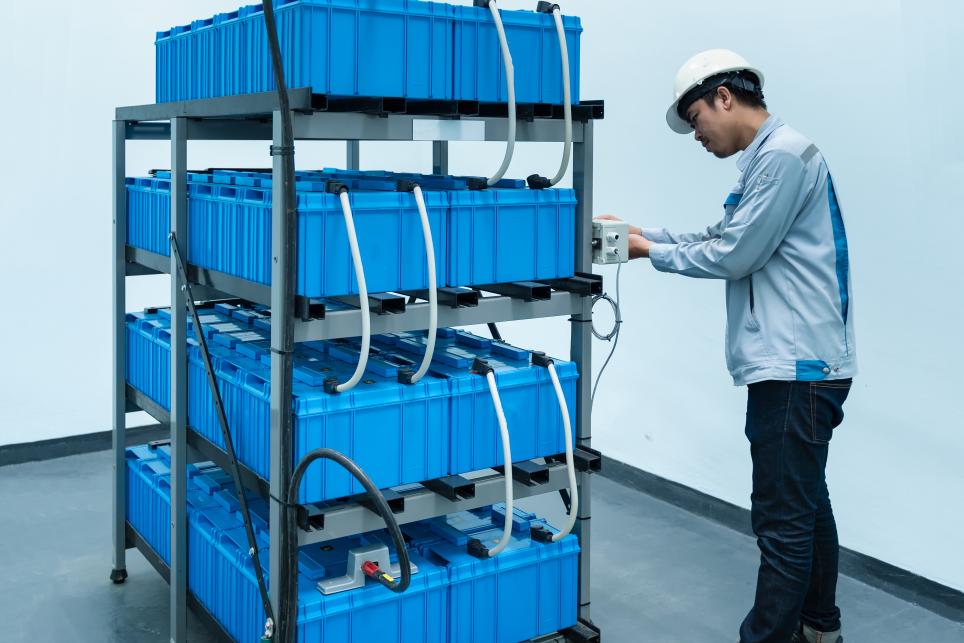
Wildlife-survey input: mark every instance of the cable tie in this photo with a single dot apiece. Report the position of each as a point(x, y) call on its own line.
point(282, 150)
point(284, 502)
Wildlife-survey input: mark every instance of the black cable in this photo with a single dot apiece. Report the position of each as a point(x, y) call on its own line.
point(226, 435)
point(494, 331)
point(289, 567)
point(289, 613)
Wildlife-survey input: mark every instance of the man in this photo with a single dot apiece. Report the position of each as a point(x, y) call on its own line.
point(782, 249)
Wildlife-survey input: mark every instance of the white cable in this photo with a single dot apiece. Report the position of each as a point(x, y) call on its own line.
point(612, 336)
point(432, 292)
point(507, 461)
point(566, 97)
point(570, 465)
point(362, 296)
point(510, 84)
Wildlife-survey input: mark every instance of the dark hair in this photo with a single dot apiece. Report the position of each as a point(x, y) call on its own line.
point(743, 96)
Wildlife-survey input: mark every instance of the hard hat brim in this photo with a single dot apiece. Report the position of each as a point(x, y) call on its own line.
point(680, 126)
point(676, 123)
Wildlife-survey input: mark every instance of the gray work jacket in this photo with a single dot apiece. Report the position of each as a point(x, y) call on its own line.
point(782, 249)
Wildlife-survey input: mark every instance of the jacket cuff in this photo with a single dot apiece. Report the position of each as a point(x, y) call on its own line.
point(656, 235)
point(659, 256)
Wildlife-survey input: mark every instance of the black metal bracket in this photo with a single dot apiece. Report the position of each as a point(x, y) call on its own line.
point(453, 488)
point(587, 110)
point(386, 105)
point(395, 500)
point(583, 632)
point(452, 297)
point(525, 290)
point(585, 459)
point(582, 284)
point(153, 444)
point(379, 303)
point(375, 105)
point(310, 517)
point(432, 107)
point(468, 107)
point(528, 472)
point(523, 111)
point(306, 308)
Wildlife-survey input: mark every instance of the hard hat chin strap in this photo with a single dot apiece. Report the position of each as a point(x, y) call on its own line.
point(731, 78)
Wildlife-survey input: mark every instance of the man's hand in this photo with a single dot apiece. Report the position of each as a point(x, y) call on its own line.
point(638, 246)
point(611, 217)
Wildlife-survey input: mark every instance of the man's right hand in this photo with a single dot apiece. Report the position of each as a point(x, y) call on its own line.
point(639, 246)
point(611, 217)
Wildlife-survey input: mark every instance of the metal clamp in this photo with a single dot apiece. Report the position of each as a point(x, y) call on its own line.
point(354, 576)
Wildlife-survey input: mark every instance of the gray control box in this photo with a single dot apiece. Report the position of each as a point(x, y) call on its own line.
point(610, 241)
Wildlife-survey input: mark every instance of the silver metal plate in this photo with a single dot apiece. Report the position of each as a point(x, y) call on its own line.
point(354, 576)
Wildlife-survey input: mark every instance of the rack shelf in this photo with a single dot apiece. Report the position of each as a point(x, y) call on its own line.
point(256, 117)
point(344, 323)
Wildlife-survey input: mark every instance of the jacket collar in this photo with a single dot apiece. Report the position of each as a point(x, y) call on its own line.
point(762, 134)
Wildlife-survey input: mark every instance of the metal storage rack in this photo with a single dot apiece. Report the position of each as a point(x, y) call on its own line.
point(256, 117)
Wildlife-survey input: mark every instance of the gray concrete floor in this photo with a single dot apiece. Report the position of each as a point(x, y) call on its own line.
point(660, 574)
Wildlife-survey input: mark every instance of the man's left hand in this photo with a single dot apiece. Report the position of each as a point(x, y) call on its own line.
point(638, 246)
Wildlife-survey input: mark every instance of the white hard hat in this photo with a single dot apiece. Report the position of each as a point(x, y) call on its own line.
point(697, 69)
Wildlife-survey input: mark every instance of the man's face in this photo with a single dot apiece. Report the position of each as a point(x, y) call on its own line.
point(714, 126)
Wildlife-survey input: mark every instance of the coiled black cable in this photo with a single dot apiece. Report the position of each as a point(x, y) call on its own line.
point(289, 599)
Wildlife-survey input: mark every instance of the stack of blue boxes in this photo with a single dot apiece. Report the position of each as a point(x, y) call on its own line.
point(389, 48)
point(480, 237)
point(442, 425)
point(398, 433)
point(530, 589)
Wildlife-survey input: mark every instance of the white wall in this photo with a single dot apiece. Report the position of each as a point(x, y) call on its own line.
point(871, 83)
point(858, 77)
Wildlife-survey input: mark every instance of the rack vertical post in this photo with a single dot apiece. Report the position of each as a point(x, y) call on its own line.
point(119, 364)
point(283, 252)
point(178, 384)
point(353, 155)
point(581, 350)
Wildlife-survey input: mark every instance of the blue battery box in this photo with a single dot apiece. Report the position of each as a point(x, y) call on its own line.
point(443, 425)
point(528, 590)
point(395, 48)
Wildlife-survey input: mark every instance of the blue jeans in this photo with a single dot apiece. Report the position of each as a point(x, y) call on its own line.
point(789, 426)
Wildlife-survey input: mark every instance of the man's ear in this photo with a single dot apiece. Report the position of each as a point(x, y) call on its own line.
point(725, 96)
